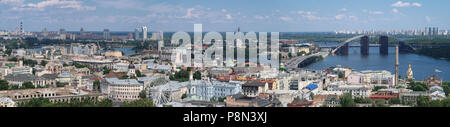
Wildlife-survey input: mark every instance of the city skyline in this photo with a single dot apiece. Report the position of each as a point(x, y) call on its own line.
point(175, 15)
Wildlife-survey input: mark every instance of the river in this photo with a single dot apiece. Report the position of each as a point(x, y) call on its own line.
point(422, 66)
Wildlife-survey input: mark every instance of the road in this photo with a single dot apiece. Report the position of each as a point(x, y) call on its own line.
point(293, 63)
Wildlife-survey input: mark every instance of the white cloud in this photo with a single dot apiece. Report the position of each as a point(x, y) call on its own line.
point(309, 15)
point(395, 10)
point(224, 10)
point(376, 12)
point(401, 4)
point(339, 17)
point(78, 5)
point(353, 17)
point(119, 4)
point(372, 12)
point(287, 19)
point(304, 12)
point(228, 16)
point(406, 4)
point(189, 13)
point(343, 9)
point(417, 4)
point(11, 1)
point(260, 17)
point(428, 18)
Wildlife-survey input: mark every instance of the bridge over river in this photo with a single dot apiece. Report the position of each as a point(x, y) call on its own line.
point(342, 48)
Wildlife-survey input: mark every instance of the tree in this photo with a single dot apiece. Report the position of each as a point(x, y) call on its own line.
point(417, 86)
point(213, 99)
point(446, 87)
point(138, 103)
point(312, 96)
point(14, 87)
point(124, 77)
point(423, 101)
point(106, 70)
point(105, 103)
point(341, 75)
point(221, 99)
point(181, 76)
point(395, 101)
point(14, 59)
point(29, 62)
point(96, 85)
point(435, 103)
point(139, 74)
point(8, 51)
point(77, 65)
point(379, 104)
point(143, 94)
point(43, 63)
point(27, 85)
point(197, 75)
point(445, 102)
point(60, 84)
point(347, 100)
point(364, 100)
point(4, 85)
point(35, 102)
point(376, 88)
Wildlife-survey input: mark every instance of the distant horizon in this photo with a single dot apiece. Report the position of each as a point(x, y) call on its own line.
point(263, 15)
point(75, 31)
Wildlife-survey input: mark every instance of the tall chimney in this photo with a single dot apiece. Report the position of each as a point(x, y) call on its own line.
point(396, 65)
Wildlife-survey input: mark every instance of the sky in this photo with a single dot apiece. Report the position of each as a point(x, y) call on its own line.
point(224, 15)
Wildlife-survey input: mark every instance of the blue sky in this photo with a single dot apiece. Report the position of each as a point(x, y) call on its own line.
point(224, 15)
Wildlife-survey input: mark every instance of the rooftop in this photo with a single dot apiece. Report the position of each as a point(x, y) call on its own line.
point(116, 81)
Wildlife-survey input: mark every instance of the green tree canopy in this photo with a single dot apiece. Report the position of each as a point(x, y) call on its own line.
point(138, 103)
point(27, 85)
point(197, 75)
point(4, 85)
point(347, 100)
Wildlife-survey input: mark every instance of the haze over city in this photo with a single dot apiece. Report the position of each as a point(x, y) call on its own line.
point(263, 15)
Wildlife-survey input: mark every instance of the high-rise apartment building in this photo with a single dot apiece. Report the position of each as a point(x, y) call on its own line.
point(144, 33)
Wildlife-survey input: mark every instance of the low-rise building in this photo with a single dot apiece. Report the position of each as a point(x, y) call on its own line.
point(254, 88)
point(411, 97)
point(321, 96)
point(301, 103)
point(385, 95)
point(240, 100)
point(206, 90)
point(171, 91)
point(437, 93)
point(61, 94)
point(355, 90)
point(120, 67)
point(121, 89)
point(19, 79)
point(54, 67)
point(220, 71)
point(7, 102)
point(21, 70)
point(433, 81)
point(113, 53)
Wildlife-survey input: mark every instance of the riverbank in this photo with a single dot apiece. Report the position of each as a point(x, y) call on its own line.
point(442, 53)
point(422, 66)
